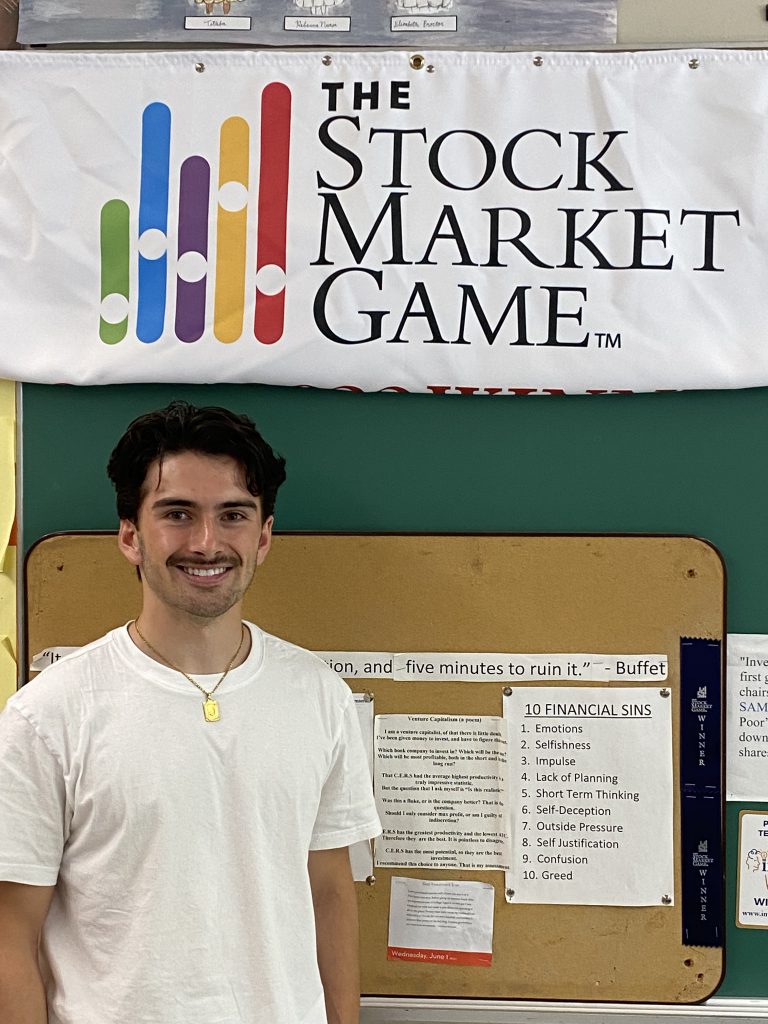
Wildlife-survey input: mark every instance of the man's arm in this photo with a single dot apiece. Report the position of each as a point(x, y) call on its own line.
point(22, 912)
point(335, 902)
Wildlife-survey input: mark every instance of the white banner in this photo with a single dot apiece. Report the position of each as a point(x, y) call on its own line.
point(469, 223)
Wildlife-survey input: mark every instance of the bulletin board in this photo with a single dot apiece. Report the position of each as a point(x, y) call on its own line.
point(515, 593)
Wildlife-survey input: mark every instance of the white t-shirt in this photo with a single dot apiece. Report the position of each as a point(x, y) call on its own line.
point(179, 847)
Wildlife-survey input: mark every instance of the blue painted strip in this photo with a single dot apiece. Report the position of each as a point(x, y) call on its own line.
point(700, 715)
point(153, 214)
point(702, 878)
point(701, 800)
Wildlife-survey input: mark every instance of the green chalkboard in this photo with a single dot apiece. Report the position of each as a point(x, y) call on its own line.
point(689, 463)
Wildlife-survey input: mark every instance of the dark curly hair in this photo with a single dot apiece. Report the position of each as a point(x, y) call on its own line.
point(181, 427)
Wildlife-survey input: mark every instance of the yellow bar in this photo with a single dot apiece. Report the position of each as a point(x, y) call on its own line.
point(231, 229)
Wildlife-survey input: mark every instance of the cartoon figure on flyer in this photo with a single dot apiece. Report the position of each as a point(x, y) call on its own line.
point(757, 860)
point(211, 5)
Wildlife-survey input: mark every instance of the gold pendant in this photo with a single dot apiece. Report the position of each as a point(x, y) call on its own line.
point(211, 710)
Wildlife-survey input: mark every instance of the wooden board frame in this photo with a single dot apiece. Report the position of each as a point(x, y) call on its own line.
point(504, 593)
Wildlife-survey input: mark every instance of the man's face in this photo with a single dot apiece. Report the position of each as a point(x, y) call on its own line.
point(199, 535)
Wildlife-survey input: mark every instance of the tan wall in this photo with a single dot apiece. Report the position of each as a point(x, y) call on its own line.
point(9, 16)
point(685, 22)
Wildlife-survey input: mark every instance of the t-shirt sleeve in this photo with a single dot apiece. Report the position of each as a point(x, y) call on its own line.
point(32, 804)
point(347, 811)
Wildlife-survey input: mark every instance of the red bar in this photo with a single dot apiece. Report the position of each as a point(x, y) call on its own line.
point(268, 321)
point(450, 957)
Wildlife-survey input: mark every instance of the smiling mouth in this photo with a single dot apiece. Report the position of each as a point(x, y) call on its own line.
point(206, 573)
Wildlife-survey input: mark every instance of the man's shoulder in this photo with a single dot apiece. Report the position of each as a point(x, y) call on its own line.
point(73, 670)
point(277, 647)
point(82, 658)
point(305, 663)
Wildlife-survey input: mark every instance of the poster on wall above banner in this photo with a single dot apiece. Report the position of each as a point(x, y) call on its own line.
point(497, 224)
point(455, 24)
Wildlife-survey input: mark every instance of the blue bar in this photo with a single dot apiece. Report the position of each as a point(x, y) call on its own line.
point(153, 214)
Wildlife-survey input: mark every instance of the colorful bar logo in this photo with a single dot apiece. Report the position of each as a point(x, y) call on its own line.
point(193, 272)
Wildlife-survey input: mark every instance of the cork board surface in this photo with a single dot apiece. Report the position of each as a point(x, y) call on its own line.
point(508, 593)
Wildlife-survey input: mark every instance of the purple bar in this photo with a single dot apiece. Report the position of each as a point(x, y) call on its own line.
point(194, 186)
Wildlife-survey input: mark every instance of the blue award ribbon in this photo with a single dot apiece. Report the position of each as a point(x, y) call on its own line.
point(701, 804)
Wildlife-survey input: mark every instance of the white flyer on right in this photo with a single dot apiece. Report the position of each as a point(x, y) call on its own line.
point(746, 770)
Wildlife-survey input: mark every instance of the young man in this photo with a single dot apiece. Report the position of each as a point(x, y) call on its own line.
point(177, 798)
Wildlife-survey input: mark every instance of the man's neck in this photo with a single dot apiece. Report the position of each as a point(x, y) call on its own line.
point(195, 645)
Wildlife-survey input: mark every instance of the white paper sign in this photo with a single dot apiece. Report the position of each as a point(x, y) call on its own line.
point(49, 656)
point(752, 900)
point(509, 668)
point(474, 667)
point(746, 775)
point(362, 224)
point(591, 783)
point(440, 922)
point(359, 664)
point(361, 854)
point(440, 786)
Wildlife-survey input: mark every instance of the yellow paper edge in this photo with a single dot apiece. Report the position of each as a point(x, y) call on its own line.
point(8, 654)
point(7, 670)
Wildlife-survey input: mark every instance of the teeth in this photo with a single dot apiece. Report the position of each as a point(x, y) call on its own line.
point(205, 572)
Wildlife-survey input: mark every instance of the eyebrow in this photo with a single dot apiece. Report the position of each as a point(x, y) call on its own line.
point(186, 503)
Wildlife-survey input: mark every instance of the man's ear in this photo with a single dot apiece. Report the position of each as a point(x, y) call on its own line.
point(128, 541)
point(265, 540)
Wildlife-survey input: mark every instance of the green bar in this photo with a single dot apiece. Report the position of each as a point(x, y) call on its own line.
point(115, 263)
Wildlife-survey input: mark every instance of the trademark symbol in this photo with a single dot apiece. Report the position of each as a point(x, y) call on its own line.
point(607, 340)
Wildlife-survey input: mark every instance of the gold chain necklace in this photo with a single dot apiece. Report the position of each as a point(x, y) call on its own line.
point(210, 706)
